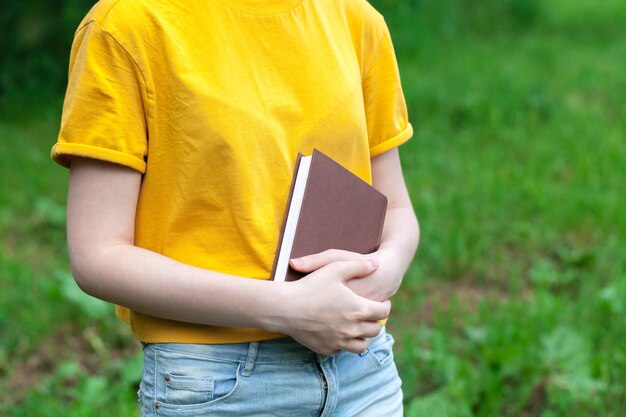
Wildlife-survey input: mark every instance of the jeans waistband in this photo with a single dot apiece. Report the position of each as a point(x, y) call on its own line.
point(267, 351)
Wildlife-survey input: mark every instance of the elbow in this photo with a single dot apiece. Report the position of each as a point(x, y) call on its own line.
point(412, 230)
point(90, 267)
point(83, 273)
point(95, 269)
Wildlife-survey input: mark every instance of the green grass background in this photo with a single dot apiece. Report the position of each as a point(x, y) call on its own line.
point(516, 302)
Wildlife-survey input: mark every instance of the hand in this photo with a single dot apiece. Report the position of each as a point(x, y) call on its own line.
point(326, 316)
point(380, 285)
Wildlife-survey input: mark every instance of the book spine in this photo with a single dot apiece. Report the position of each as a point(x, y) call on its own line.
point(282, 229)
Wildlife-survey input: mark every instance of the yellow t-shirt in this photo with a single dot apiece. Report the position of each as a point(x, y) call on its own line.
point(212, 100)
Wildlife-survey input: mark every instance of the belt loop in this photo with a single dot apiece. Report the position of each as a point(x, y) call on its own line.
point(252, 351)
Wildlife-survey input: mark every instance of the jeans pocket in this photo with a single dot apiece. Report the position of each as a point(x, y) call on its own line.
point(381, 349)
point(181, 389)
point(184, 380)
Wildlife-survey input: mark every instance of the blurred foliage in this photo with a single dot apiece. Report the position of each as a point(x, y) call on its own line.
point(35, 39)
point(433, 20)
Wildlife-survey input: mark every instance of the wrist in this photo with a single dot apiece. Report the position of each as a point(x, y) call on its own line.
point(275, 317)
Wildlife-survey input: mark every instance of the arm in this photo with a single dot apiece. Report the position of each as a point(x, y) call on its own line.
point(322, 313)
point(399, 239)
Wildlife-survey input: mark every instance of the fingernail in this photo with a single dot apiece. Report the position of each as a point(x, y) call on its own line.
point(297, 262)
point(374, 263)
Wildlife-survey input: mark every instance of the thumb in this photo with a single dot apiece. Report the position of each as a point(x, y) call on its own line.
point(347, 270)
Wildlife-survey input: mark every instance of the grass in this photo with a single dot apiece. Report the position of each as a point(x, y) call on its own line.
point(516, 302)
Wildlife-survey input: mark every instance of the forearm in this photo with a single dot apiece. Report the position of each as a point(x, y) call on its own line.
point(400, 235)
point(399, 242)
point(153, 284)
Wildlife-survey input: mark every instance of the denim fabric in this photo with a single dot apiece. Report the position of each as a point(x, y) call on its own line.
point(269, 378)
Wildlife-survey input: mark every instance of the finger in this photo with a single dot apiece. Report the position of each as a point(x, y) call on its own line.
point(346, 270)
point(371, 329)
point(358, 345)
point(316, 261)
point(375, 311)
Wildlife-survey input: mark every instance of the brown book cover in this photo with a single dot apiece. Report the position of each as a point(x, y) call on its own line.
point(339, 211)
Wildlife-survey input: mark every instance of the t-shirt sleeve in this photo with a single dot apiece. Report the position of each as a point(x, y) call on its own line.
point(103, 112)
point(385, 108)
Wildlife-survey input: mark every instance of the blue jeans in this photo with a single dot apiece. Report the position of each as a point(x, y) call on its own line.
point(269, 378)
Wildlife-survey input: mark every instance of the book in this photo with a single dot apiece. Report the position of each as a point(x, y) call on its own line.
point(328, 207)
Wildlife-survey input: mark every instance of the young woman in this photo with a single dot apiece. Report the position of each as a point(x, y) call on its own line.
point(181, 127)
